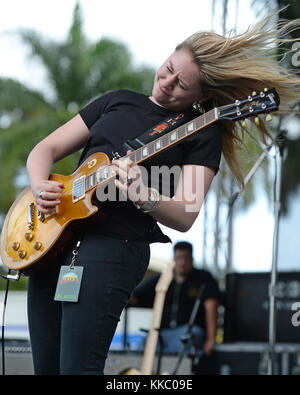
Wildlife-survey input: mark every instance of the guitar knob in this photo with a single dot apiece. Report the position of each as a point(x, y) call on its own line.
point(28, 236)
point(15, 246)
point(269, 118)
point(37, 245)
point(41, 216)
point(22, 254)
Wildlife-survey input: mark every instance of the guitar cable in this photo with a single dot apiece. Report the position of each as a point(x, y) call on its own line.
point(7, 277)
point(3, 321)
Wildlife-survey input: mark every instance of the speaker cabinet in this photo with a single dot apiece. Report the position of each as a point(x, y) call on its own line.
point(247, 307)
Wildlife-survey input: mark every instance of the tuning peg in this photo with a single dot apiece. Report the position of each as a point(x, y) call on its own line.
point(265, 89)
point(253, 93)
point(269, 118)
point(244, 124)
point(256, 120)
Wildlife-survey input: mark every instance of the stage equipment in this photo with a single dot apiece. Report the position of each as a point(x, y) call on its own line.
point(189, 337)
point(279, 145)
point(250, 359)
point(247, 307)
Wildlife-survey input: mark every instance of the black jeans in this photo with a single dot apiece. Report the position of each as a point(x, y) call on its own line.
point(74, 338)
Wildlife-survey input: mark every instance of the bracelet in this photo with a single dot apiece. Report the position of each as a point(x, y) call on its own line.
point(152, 202)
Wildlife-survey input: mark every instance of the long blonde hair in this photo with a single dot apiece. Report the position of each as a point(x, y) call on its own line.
point(234, 66)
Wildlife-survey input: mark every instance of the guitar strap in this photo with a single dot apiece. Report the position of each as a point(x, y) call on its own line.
point(163, 127)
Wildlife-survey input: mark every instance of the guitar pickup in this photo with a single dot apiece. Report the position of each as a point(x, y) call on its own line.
point(78, 189)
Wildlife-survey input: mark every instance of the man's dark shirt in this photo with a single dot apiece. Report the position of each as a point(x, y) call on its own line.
point(180, 298)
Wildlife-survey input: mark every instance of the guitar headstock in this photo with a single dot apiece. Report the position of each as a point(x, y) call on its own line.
point(165, 279)
point(265, 101)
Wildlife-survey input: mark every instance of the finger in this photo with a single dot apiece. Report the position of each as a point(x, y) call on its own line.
point(48, 203)
point(121, 186)
point(123, 174)
point(46, 210)
point(56, 183)
point(50, 196)
point(50, 185)
point(53, 187)
point(134, 172)
point(120, 171)
point(123, 163)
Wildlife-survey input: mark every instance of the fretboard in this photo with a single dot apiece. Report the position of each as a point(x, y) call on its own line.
point(154, 147)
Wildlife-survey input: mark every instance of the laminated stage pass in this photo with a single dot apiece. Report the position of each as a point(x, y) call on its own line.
point(68, 285)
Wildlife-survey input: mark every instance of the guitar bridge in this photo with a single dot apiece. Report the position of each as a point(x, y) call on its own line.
point(30, 217)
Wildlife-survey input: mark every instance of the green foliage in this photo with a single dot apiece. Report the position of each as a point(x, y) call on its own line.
point(78, 70)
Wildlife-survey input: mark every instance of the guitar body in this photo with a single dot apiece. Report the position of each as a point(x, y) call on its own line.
point(23, 248)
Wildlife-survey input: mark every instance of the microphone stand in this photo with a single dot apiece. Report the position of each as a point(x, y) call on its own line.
point(248, 177)
point(189, 335)
point(279, 146)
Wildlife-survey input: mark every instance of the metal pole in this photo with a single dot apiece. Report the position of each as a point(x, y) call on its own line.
point(280, 145)
point(204, 237)
point(217, 227)
point(230, 231)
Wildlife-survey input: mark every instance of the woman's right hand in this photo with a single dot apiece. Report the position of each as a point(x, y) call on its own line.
point(47, 194)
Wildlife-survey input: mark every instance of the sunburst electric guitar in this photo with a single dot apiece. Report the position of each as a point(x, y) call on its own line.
point(30, 238)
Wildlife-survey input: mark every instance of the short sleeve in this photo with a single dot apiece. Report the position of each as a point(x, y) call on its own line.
point(93, 111)
point(204, 148)
point(211, 290)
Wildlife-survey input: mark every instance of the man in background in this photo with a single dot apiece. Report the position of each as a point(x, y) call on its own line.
point(179, 302)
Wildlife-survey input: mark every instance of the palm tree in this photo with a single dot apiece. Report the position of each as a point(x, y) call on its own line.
point(78, 71)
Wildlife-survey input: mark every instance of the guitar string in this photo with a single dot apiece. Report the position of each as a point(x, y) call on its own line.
point(221, 108)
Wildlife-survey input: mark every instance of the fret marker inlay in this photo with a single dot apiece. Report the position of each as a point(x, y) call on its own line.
point(190, 127)
point(158, 144)
point(174, 136)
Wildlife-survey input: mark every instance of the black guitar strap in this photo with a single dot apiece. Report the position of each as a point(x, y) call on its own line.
point(165, 126)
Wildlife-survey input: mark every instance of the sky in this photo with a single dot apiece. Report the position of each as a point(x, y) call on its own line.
point(151, 30)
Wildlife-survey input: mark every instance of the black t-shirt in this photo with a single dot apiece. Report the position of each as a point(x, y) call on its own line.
point(180, 298)
point(122, 115)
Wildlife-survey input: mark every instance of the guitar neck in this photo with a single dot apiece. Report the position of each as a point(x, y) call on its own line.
point(153, 334)
point(173, 137)
point(265, 101)
point(154, 147)
point(160, 293)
